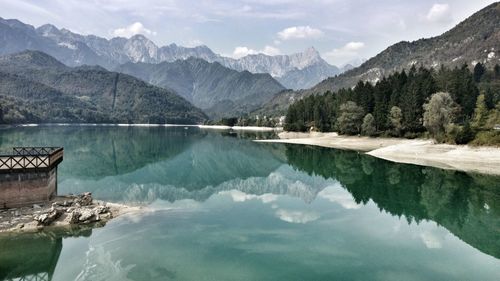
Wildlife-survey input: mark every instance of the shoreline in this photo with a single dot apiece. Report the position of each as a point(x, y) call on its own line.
point(60, 213)
point(423, 152)
point(213, 127)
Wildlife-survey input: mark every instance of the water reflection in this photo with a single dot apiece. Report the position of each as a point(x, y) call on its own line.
point(467, 205)
point(34, 256)
point(241, 210)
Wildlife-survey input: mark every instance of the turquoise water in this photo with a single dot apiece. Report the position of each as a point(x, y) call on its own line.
point(221, 207)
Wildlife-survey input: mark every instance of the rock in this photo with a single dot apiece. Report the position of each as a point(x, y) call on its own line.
point(106, 216)
point(101, 209)
point(86, 215)
point(73, 217)
point(41, 218)
point(48, 218)
point(36, 206)
point(84, 199)
point(34, 225)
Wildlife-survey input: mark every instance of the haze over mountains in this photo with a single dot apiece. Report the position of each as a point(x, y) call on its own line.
point(74, 49)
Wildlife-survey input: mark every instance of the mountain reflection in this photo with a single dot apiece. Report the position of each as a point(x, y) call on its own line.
point(94, 152)
point(468, 205)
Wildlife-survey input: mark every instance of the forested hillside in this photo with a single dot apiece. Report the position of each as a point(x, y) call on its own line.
point(34, 87)
point(476, 39)
point(406, 104)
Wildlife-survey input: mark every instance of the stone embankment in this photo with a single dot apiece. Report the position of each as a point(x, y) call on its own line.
point(63, 211)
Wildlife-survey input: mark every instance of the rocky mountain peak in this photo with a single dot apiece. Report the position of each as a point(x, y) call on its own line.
point(48, 30)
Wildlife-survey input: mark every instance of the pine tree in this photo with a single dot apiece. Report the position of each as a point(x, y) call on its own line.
point(382, 94)
point(479, 71)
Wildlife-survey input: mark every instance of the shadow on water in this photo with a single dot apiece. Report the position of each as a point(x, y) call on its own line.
point(34, 256)
point(468, 205)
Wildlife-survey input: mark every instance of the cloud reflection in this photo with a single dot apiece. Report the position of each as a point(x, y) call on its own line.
point(297, 216)
point(338, 195)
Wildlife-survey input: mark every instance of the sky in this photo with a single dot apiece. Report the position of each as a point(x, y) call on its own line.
point(343, 31)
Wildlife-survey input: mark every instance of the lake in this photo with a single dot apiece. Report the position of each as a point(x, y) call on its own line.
point(222, 207)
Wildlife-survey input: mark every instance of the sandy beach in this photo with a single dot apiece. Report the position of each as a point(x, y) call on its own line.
point(485, 160)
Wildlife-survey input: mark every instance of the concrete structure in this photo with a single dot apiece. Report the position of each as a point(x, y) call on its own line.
point(29, 176)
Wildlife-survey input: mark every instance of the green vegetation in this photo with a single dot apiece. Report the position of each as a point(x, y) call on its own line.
point(412, 192)
point(34, 87)
point(246, 121)
point(443, 104)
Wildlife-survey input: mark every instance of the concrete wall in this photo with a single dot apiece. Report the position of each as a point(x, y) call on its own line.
point(27, 188)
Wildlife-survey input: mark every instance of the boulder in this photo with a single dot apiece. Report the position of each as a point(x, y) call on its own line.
point(49, 217)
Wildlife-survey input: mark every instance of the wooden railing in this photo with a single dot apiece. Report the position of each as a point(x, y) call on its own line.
point(31, 158)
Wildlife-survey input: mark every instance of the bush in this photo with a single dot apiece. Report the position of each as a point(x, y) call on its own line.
point(465, 135)
point(491, 138)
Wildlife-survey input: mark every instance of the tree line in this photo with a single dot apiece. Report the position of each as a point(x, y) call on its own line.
point(452, 105)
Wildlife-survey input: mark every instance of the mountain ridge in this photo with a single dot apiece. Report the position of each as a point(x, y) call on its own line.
point(208, 86)
point(74, 49)
point(476, 39)
point(35, 87)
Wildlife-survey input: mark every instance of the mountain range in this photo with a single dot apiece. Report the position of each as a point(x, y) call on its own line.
point(218, 90)
point(296, 71)
point(35, 87)
point(476, 39)
point(219, 85)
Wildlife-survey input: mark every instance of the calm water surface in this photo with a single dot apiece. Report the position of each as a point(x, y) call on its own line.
point(225, 208)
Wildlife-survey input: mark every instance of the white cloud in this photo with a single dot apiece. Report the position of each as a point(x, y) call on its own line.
point(242, 51)
point(431, 240)
point(296, 216)
point(271, 51)
point(300, 32)
point(439, 13)
point(348, 52)
point(133, 29)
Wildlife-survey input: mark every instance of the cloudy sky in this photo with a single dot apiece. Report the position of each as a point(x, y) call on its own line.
point(341, 30)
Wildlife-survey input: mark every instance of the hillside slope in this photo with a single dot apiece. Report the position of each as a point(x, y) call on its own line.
point(212, 87)
point(476, 39)
point(35, 87)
